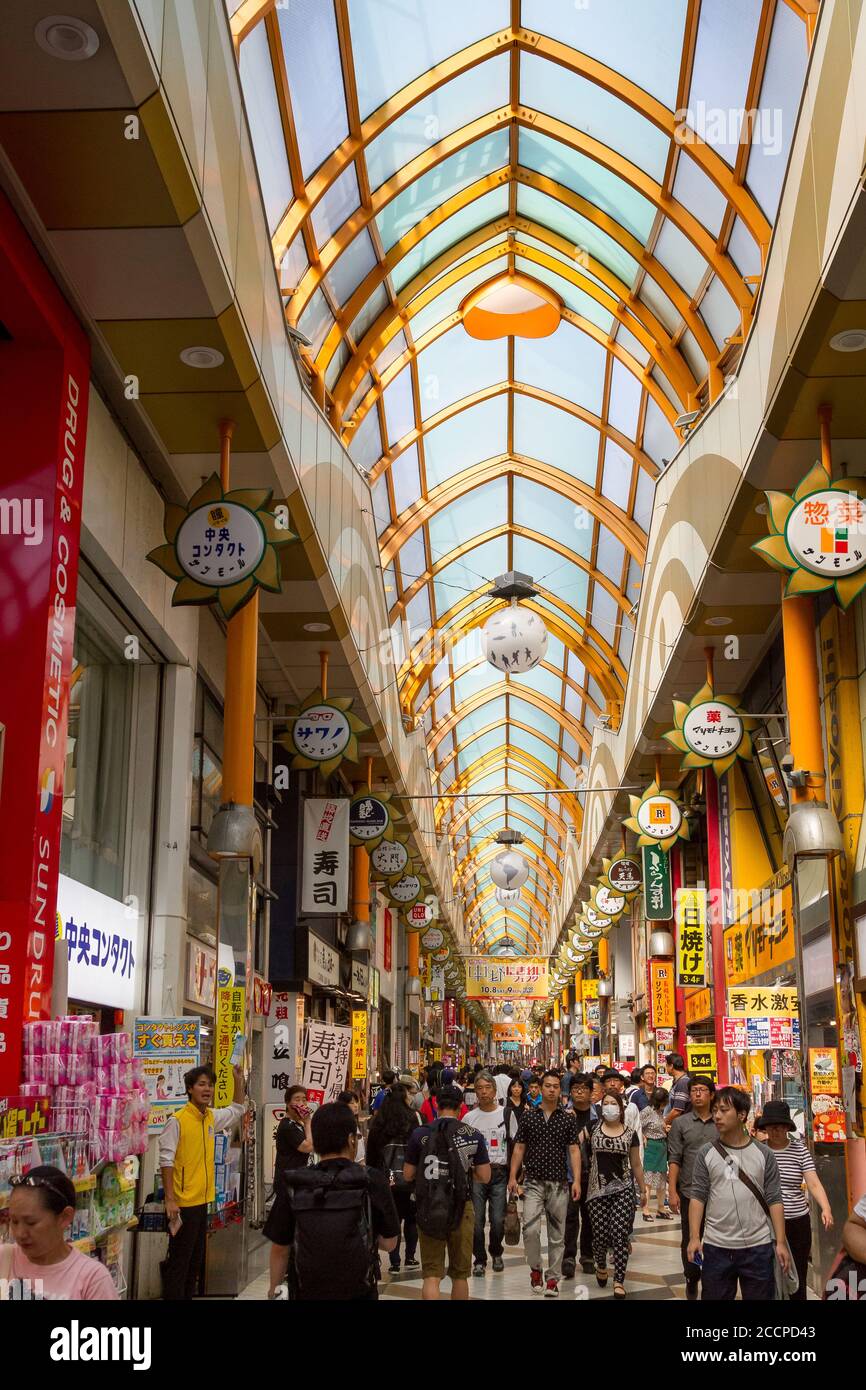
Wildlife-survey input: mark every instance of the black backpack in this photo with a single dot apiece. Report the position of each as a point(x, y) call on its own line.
point(332, 1254)
point(393, 1158)
point(441, 1184)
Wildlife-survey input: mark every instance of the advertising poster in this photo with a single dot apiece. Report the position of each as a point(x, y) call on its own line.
point(166, 1049)
point(828, 1107)
point(228, 1023)
point(701, 1060)
point(763, 1002)
point(359, 1044)
point(490, 977)
point(662, 998)
point(691, 915)
point(327, 1050)
point(23, 1117)
point(325, 877)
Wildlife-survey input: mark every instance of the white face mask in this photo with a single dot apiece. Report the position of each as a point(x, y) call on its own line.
point(610, 1113)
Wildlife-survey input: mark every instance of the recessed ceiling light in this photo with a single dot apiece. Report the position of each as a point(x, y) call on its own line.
point(317, 627)
point(719, 622)
point(64, 36)
point(202, 357)
point(851, 340)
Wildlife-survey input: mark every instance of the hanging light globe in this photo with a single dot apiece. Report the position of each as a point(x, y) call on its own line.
point(515, 639)
point(509, 870)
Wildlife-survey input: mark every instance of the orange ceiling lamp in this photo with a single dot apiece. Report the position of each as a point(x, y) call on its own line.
point(511, 305)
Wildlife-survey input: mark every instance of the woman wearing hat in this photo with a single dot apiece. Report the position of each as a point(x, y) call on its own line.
point(796, 1167)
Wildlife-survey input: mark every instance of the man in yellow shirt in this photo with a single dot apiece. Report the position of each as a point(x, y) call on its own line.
point(186, 1158)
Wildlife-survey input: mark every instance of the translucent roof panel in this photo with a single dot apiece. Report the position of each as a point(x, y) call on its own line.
point(455, 366)
point(546, 512)
point(568, 363)
point(474, 93)
point(586, 177)
point(478, 433)
point(553, 436)
point(582, 233)
point(455, 524)
point(464, 576)
point(781, 91)
point(406, 478)
point(643, 42)
point(727, 31)
point(311, 52)
point(547, 567)
point(356, 262)
point(412, 39)
point(266, 129)
point(442, 182)
point(449, 233)
point(551, 88)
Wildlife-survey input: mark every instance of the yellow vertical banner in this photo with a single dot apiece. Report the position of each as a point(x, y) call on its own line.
point(691, 917)
point(359, 1044)
point(229, 1022)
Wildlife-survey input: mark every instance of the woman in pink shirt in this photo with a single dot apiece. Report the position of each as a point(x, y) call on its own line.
point(41, 1206)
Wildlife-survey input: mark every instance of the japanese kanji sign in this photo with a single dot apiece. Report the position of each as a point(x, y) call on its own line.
point(101, 936)
point(818, 535)
point(763, 1002)
point(691, 953)
point(359, 1044)
point(323, 732)
point(221, 545)
point(323, 964)
point(325, 880)
point(657, 818)
point(327, 1050)
point(166, 1048)
point(710, 732)
point(698, 1005)
point(764, 937)
point(734, 1034)
point(24, 1117)
point(624, 874)
point(658, 897)
point(662, 999)
point(389, 858)
point(369, 819)
point(491, 977)
point(229, 1021)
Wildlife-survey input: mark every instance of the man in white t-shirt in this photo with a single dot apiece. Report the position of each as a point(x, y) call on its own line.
point(503, 1081)
point(489, 1119)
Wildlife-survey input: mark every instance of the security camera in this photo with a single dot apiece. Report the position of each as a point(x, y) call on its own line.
point(795, 777)
point(298, 337)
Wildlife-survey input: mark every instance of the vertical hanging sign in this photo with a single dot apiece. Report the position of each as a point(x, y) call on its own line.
point(691, 952)
point(657, 893)
point(359, 1044)
point(43, 404)
point(325, 882)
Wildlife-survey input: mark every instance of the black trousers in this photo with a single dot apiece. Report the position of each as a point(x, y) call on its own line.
point(798, 1229)
point(181, 1271)
point(576, 1217)
point(691, 1271)
point(406, 1212)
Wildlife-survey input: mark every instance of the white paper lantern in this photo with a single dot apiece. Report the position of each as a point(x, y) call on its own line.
point(515, 640)
point(509, 870)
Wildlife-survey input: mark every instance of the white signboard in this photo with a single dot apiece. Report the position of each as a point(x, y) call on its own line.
point(101, 936)
point(713, 729)
point(325, 884)
point(825, 533)
point(327, 1053)
point(220, 543)
point(360, 978)
point(322, 732)
point(660, 816)
point(323, 966)
point(284, 1042)
point(390, 858)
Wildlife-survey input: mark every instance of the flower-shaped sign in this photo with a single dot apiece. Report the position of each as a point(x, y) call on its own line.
point(221, 546)
point(657, 818)
point(710, 732)
point(370, 818)
point(818, 535)
point(389, 858)
point(323, 733)
point(607, 901)
point(623, 874)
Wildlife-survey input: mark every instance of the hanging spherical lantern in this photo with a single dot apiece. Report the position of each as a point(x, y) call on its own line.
point(515, 639)
point(504, 896)
point(509, 870)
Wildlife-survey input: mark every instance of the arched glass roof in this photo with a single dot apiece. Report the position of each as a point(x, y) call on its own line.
point(628, 157)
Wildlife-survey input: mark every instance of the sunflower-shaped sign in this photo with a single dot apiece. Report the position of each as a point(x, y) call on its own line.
point(221, 546)
point(323, 733)
point(623, 874)
point(608, 901)
point(711, 732)
point(657, 818)
point(371, 818)
point(818, 535)
point(598, 921)
point(389, 858)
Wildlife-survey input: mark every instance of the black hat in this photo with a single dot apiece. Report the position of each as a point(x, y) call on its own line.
point(776, 1112)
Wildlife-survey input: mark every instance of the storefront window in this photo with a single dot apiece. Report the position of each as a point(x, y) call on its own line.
point(207, 768)
point(201, 900)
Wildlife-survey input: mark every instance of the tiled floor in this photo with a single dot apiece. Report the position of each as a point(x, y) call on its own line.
point(654, 1272)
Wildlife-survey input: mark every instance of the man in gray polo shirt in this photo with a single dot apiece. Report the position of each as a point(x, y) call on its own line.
point(689, 1134)
point(739, 1242)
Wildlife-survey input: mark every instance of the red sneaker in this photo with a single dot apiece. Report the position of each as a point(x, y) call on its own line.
point(536, 1281)
point(552, 1289)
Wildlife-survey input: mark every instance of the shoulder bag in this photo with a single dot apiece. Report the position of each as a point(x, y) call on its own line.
point(787, 1282)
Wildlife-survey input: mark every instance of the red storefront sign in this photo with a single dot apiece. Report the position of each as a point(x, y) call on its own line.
point(43, 404)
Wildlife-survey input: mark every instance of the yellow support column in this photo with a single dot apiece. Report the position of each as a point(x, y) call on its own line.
point(413, 953)
point(603, 955)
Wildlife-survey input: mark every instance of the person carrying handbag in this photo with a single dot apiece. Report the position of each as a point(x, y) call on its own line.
point(737, 1186)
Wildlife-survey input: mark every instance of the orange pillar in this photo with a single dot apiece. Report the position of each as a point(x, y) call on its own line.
point(413, 947)
point(242, 636)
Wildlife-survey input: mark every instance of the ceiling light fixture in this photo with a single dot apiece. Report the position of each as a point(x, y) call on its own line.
point(317, 627)
point(720, 621)
point(64, 36)
point(851, 340)
point(203, 358)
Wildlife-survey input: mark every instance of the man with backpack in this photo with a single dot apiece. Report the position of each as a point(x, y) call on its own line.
point(439, 1157)
point(328, 1221)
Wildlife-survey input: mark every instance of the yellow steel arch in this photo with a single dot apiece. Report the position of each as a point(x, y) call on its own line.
point(491, 728)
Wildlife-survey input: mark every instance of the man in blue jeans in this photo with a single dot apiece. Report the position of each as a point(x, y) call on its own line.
point(488, 1118)
point(739, 1241)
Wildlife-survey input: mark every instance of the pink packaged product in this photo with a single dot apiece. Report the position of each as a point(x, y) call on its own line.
point(41, 1037)
point(115, 1077)
point(35, 1067)
point(77, 1034)
point(114, 1112)
point(33, 1088)
point(112, 1047)
point(114, 1144)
